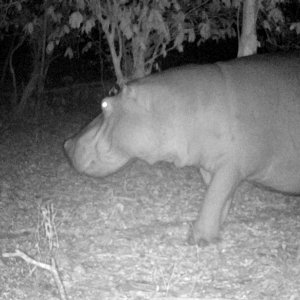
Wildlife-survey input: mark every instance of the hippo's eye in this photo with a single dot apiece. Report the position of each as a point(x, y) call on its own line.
point(104, 105)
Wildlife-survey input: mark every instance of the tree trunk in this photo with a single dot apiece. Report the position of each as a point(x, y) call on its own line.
point(116, 58)
point(138, 60)
point(14, 99)
point(248, 40)
point(28, 91)
point(6, 62)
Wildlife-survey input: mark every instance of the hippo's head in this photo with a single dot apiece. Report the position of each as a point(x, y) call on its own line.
point(123, 131)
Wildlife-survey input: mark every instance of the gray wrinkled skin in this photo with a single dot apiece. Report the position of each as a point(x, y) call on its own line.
point(235, 121)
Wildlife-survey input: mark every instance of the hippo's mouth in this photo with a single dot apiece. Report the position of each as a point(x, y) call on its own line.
point(95, 169)
point(91, 162)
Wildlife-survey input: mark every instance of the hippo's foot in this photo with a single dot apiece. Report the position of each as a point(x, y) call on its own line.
point(202, 238)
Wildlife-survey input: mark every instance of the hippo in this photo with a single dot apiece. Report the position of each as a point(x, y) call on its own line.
point(235, 121)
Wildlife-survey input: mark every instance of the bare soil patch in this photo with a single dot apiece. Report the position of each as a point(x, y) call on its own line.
point(124, 237)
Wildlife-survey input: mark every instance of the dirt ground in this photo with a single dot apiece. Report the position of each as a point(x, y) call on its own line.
point(124, 237)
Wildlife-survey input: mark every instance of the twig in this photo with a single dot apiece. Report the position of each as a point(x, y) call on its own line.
point(51, 268)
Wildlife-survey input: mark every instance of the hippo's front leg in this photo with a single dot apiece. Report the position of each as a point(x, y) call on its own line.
point(216, 204)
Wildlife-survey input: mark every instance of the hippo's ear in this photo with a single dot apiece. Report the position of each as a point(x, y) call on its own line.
point(129, 91)
point(132, 92)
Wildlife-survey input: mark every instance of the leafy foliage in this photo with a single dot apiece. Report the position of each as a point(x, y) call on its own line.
point(279, 25)
point(137, 32)
point(134, 33)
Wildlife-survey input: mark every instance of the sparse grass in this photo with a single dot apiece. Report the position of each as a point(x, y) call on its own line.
point(124, 237)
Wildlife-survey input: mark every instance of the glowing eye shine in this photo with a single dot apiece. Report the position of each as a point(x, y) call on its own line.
point(104, 104)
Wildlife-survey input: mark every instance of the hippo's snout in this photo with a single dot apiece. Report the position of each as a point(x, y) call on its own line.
point(72, 154)
point(70, 151)
point(79, 157)
point(68, 146)
point(92, 157)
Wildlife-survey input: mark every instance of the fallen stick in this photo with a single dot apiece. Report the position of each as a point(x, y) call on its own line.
point(51, 268)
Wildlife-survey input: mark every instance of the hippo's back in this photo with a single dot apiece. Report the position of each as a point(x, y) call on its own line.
point(265, 95)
